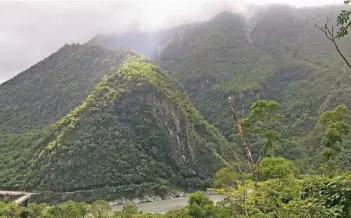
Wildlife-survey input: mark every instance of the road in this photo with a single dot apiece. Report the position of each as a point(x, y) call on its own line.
point(15, 193)
point(22, 196)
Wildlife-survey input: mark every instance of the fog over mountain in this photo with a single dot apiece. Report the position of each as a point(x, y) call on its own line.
point(30, 31)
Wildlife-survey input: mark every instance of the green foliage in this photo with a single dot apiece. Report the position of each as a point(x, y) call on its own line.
point(225, 177)
point(277, 198)
point(311, 196)
point(343, 21)
point(130, 209)
point(135, 134)
point(337, 128)
point(333, 194)
point(41, 95)
point(273, 168)
point(69, 209)
point(263, 124)
point(100, 209)
point(53, 87)
point(37, 210)
point(200, 206)
point(9, 210)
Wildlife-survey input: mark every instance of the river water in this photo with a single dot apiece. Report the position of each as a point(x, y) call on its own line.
point(166, 205)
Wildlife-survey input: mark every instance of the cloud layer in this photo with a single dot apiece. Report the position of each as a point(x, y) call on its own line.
point(31, 31)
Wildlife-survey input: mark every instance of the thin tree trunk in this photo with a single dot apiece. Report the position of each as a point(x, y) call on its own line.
point(245, 147)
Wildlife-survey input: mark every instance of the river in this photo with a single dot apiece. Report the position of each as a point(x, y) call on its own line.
point(166, 205)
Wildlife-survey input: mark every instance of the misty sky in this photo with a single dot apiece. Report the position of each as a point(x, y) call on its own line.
point(30, 31)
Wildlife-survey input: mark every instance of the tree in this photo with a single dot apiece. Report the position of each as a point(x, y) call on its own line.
point(200, 206)
point(344, 23)
point(273, 168)
point(225, 177)
point(335, 122)
point(37, 210)
point(68, 209)
point(9, 210)
point(333, 194)
point(262, 124)
point(100, 209)
point(129, 211)
point(238, 123)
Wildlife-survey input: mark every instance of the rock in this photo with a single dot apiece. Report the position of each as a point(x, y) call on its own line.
point(178, 194)
point(147, 198)
point(136, 201)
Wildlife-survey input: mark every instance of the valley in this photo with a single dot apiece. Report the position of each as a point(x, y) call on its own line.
point(254, 109)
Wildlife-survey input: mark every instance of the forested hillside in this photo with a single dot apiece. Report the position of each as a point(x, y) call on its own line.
point(53, 87)
point(37, 97)
point(136, 130)
point(136, 127)
point(277, 54)
point(82, 122)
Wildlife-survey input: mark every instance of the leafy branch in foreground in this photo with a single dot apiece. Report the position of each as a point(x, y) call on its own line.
point(344, 23)
point(332, 36)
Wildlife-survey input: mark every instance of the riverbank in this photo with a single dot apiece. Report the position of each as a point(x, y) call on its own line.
point(164, 206)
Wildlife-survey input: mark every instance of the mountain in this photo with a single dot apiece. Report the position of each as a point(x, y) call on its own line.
point(214, 59)
point(135, 130)
point(37, 97)
point(53, 87)
point(136, 127)
point(275, 54)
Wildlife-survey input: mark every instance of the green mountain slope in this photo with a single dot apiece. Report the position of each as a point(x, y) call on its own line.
point(215, 59)
point(53, 87)
point(278, 55)
point(39, 96)
point(136, 127)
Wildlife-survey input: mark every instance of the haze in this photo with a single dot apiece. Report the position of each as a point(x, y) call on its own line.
point(31, 31)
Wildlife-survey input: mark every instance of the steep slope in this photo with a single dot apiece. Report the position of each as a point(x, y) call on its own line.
point(278, 55)
point(43, 94)
point(294, 35)
point(137, 127)
point(215, 59)
point(53, 87)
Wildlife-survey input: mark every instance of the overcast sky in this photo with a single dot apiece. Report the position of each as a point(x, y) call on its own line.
point(30, 31)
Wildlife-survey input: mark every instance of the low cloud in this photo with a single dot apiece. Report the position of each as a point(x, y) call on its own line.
point(31, 31)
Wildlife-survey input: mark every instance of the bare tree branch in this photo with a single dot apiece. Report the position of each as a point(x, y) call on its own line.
point(329, 34)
